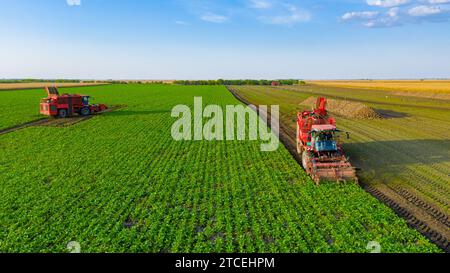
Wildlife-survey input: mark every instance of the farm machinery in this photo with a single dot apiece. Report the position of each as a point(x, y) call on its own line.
point(320, 147)
point(66, 105)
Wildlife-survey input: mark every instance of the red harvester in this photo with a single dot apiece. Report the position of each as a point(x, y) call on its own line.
point(318, 142)
point(62, 106)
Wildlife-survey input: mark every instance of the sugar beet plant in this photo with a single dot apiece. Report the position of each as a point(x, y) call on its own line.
point(120, 183)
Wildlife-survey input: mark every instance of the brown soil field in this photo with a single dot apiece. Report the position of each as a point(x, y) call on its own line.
point(33, 85)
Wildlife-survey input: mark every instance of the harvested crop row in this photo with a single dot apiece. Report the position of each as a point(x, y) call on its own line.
point(405, 152)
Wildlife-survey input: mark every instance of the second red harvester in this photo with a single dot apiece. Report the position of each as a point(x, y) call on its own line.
point(67, 105)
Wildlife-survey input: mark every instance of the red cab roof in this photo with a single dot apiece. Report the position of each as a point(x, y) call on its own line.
point(324, 127)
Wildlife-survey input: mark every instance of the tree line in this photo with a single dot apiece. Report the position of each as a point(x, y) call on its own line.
point(179, 82)
point(240, 82)
point(44, 80)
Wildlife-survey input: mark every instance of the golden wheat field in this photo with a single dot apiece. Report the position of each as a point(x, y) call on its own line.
point(439, 89)
point(33, 85)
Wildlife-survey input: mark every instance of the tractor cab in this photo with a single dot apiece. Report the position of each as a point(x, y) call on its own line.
point(85, 100)
point(324, 138)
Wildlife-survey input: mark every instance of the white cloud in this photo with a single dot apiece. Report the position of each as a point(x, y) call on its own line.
point(276, 12)
point(390, 13)
point(374, 19)
point(439, 1)
point(289, 16)
point(420, 11)
point(393, 12)
point(214, 18)
point(260, 4)
point(182, 23)
point(382, 22)
point(359, 15)
point(73, 2)
point(387, 3)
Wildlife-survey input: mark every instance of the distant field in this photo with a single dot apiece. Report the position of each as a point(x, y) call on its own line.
point(15, 86)
point(439, 89)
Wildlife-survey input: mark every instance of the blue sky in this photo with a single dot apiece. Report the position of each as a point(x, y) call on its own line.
point(210, 39)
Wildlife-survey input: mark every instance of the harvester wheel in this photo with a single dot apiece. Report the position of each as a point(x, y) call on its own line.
point(299, 144)
point(306, 161)
point(62, 113)
point(317, 181)
point(85, 111)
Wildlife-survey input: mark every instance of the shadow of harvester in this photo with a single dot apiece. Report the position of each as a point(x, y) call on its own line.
point(401, 152)
point(395, 158)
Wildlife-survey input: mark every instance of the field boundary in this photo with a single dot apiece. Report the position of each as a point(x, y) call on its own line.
point(42, 85)
point(422, 227)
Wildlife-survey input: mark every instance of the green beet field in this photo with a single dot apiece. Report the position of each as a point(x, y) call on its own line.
point(118, 182)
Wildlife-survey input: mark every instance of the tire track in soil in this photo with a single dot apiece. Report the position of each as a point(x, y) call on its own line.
point(421, 226)
point(435, 213)
point(23, 126)
point(287, 138)
point(57, 122)
point(48, 122)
